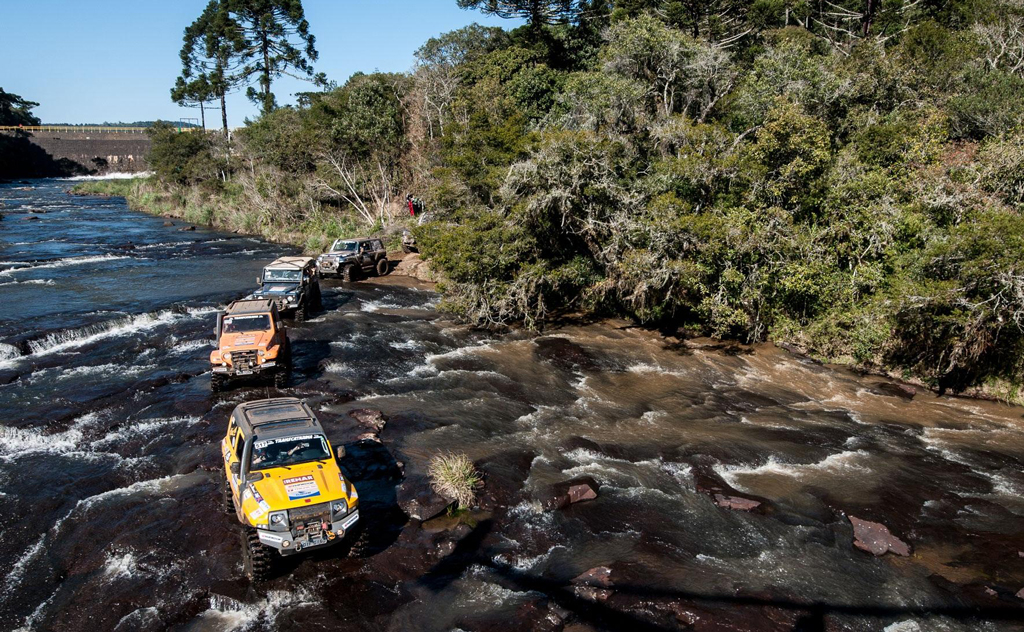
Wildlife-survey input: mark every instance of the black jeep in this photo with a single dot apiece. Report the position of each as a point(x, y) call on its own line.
point(349, 258)
point(293, 283)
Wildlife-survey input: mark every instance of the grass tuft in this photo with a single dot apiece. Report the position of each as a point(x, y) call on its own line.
point(454, 476)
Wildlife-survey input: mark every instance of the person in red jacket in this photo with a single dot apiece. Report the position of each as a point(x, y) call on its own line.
point(411, 201)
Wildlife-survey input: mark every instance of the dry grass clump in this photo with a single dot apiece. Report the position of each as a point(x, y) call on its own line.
point(454, 476)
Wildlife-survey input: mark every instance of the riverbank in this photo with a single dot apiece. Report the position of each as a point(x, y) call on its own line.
point(222, 212)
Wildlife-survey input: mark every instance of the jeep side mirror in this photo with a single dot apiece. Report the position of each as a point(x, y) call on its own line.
point(236, 468)
point(339, 452)
point(218, 327)
point(259, 280)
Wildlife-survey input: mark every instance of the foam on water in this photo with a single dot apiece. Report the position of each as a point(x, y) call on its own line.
point(73, 338)
point(227, 614)
point(842, 463)
point(109, 176)
point(63, 263)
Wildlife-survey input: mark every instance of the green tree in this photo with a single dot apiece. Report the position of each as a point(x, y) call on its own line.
point(277, 42)
point(537, 12)
point(15, 110)
point(195, 93)
point(210, 59)
point(183, 158)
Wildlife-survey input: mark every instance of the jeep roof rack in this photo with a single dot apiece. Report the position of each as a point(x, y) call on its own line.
point(290, 262)
point(249, 306)
point(276, 417)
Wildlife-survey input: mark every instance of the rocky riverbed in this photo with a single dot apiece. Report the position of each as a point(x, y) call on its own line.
point(632, 482)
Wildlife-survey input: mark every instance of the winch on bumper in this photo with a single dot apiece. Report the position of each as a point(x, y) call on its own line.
point(302, 528)
point(247, 362)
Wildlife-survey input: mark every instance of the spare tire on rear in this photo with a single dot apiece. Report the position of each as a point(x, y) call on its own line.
point(383, 266)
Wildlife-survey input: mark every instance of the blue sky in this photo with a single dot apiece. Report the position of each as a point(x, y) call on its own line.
point(116, 60)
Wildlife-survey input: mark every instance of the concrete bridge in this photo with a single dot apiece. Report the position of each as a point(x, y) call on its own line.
point(53, 150)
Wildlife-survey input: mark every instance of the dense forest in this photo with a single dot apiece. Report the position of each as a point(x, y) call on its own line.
point(846, 176)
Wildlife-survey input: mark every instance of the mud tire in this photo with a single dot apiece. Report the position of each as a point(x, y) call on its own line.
point(227, 504)
point(257, 559)
point(360, 546)
point(348, 273)
point(281, 377)
point(383, 267)
point(301, 313)
point(218, 382)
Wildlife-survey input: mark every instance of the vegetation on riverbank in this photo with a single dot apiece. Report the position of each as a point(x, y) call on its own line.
point(847, 181)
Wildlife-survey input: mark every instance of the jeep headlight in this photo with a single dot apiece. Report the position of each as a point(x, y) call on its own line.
point(278, 517)
point(227, 356)
point(261, 352)
point(339, 507)
point(291, 299)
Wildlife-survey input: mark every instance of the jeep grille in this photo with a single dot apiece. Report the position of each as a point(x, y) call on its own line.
point(243, 359)
point(309, 519)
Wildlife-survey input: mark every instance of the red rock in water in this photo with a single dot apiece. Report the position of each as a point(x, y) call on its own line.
point(594, 585)
point(735, 502)
point(373, 419)
point(599, 576)
point(876, 539)
point(580, 492)
point(571, 492)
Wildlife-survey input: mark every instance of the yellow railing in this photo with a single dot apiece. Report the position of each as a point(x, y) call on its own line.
point(65, 129)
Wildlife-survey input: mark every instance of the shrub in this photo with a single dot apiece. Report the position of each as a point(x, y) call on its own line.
point(454, 476)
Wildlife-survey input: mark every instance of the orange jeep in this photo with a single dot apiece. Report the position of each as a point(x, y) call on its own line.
point(251, 340)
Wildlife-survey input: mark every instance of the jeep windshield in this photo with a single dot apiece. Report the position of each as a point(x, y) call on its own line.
point(344, 246)
point(287, 451)
point(271, 275)
point(254, 322)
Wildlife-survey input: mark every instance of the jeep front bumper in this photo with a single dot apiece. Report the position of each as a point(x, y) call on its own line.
point(289, 542)
point(232, 370)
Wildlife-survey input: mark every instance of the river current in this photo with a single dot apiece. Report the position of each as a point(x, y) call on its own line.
point(109, 465)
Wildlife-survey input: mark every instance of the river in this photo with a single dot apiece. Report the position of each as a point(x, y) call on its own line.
point(109, 476)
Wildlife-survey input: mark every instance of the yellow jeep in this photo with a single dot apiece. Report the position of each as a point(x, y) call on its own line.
point(283, 482)
point(251, 341)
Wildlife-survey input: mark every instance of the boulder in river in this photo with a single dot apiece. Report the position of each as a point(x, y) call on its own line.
point(30, 218)
point(187, 229)
point(372, 419)
point(418, 500)
point(571, 492)
point(168, 223)
point(903, 391)
point(876, 539)
point(594, 585)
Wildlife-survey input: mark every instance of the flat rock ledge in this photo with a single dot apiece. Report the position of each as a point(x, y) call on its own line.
point(876, 539)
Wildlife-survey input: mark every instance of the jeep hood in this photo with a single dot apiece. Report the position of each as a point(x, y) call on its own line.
point(275, 287)
point(301, 485)
point(245, 339)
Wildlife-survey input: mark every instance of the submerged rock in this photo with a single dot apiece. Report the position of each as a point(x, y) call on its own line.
point(904, 391)
point(571, 492)
point(876, 539)
point(168, 223)
point(565, 354)
point(187, 229)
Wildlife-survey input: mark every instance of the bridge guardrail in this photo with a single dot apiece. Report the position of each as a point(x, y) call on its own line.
point(65, 129)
